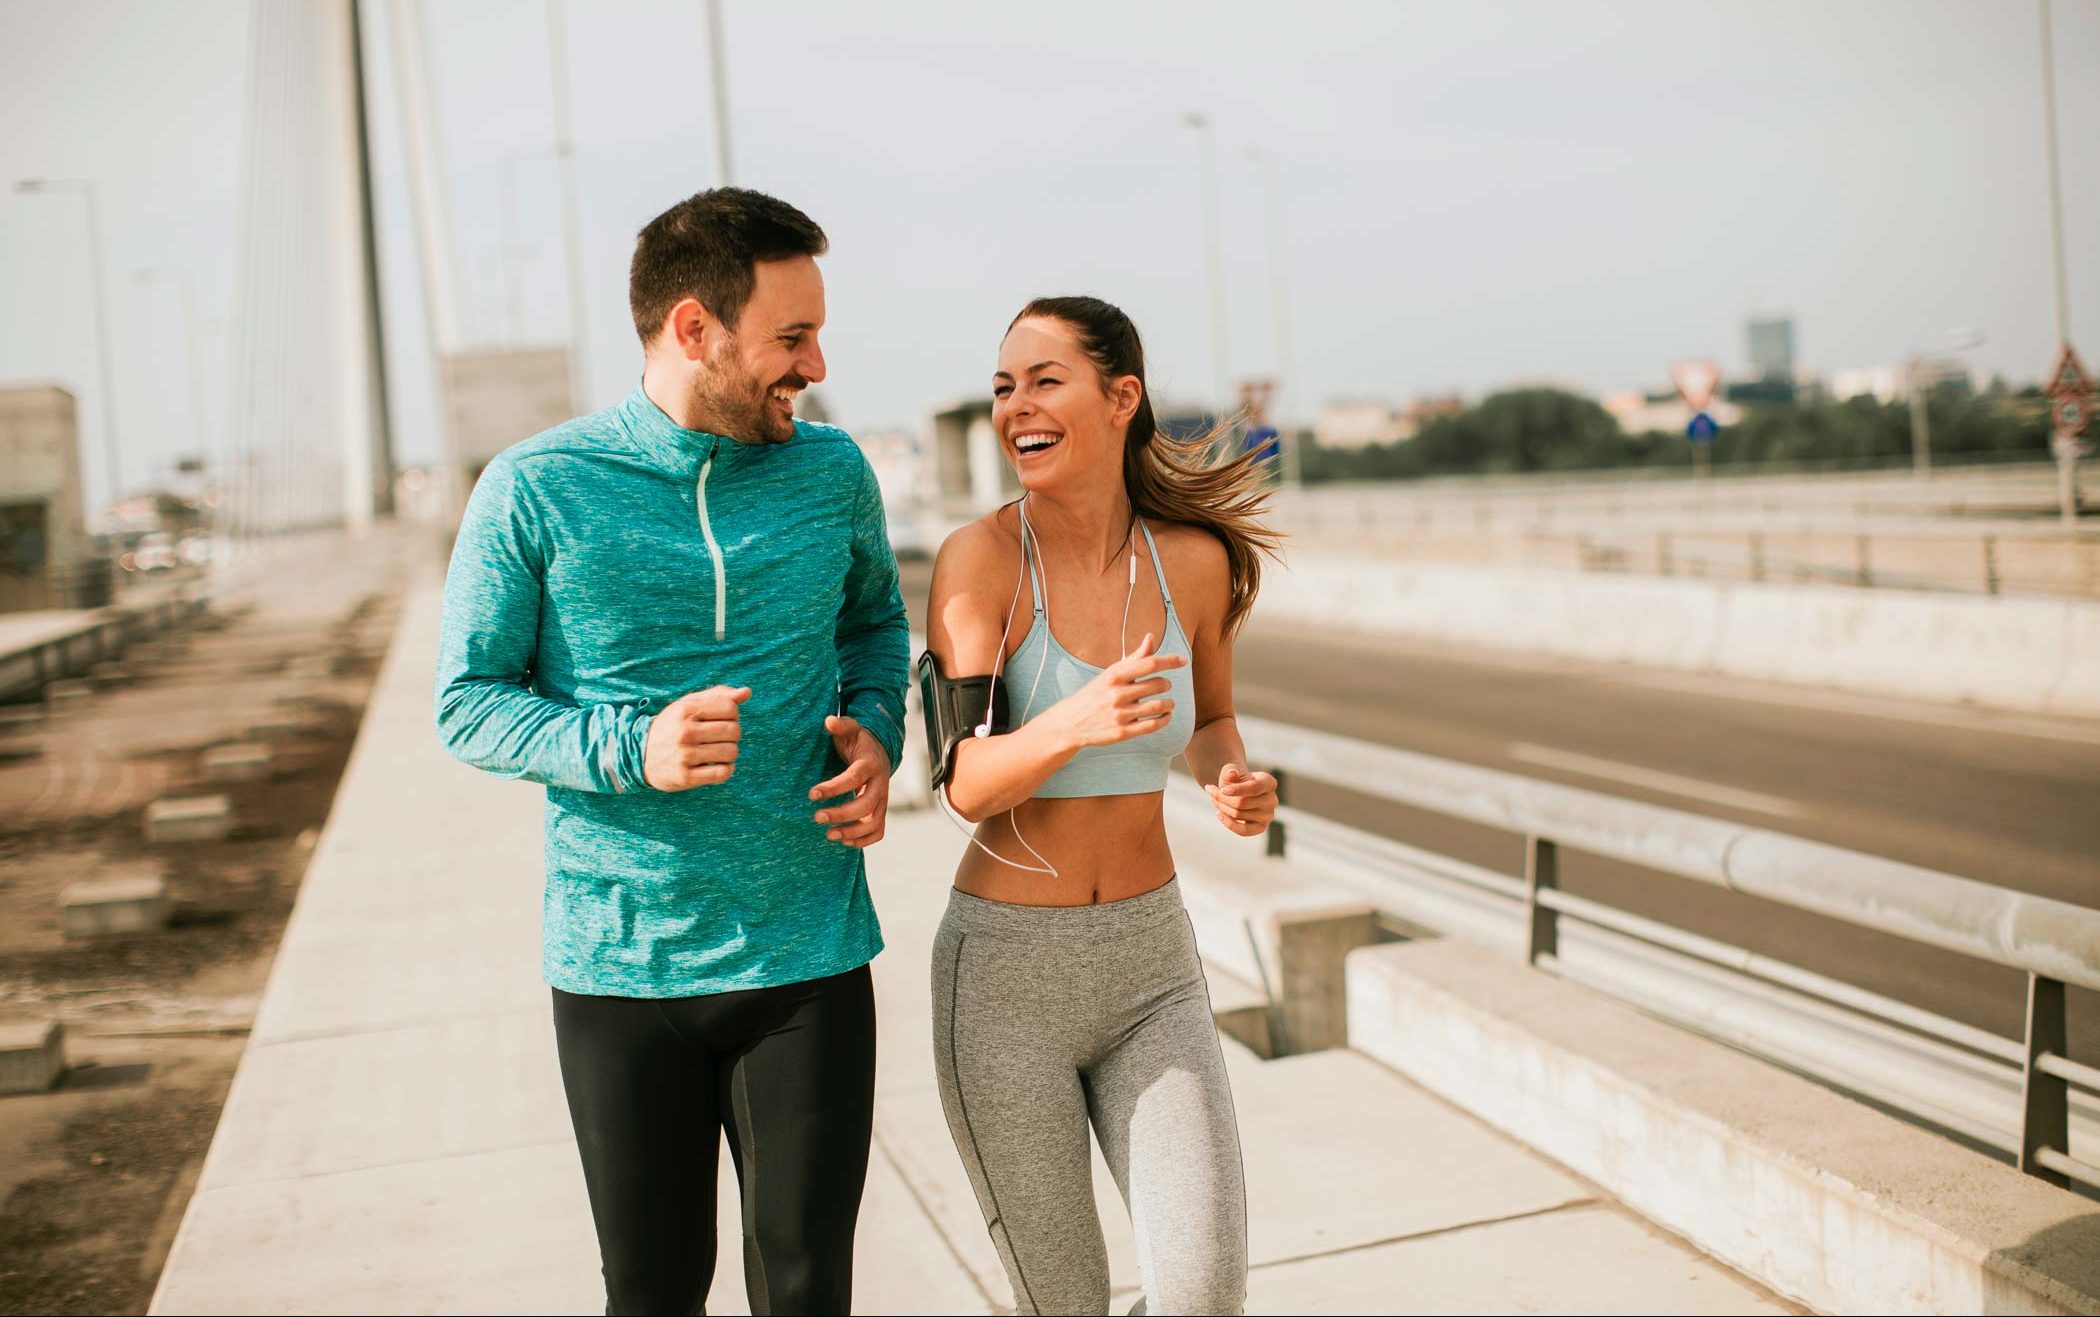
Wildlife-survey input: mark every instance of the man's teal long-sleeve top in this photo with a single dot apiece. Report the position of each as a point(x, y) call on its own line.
point(606, 568)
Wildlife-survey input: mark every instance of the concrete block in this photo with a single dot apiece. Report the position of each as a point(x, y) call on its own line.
point(237, 763)
point(110, 674)
point(32, 1055)
point(128, 903)
point(189, 818)
point(1826, 1200)
point(1275, 926)
point(68, 693)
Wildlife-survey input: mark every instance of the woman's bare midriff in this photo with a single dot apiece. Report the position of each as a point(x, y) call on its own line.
point(1104, 848)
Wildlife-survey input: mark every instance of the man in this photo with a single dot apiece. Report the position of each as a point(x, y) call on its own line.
point(681, 615)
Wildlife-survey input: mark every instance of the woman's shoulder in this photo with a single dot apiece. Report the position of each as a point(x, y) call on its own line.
point(981, 546)
point(1192, 553)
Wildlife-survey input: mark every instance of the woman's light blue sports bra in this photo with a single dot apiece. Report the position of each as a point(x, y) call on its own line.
point(1042, 672)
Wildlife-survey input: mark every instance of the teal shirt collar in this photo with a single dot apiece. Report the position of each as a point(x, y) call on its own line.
point(665, 438)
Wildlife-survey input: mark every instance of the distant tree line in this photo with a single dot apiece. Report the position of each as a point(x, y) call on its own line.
point(1549, 430)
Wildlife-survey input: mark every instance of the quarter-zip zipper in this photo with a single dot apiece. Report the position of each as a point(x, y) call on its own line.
point(714, 553)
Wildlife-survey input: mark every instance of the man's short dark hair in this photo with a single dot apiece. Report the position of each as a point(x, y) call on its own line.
point(706, 247)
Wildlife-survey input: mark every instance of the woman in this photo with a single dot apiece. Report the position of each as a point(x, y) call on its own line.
point(1066, 984)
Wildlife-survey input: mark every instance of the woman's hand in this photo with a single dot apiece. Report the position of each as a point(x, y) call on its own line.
point(1126, 701)
point(1245, 801)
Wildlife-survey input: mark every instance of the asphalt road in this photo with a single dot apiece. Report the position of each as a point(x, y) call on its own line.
point(2004, 799)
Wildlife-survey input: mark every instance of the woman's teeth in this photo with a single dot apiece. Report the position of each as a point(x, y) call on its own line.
point(1035, 443)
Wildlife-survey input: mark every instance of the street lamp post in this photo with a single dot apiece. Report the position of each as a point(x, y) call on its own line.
point(86, 189)
point(571, 216)
point(718, 66)
point(1920, 372)
point(1214, 248)
point(1279, 300)
point(2064, 444)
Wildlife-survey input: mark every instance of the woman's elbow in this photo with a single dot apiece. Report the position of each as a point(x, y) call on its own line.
point(967, 804)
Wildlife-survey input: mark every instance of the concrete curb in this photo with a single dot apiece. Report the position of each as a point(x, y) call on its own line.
point(2028, 654)
point(1824, 1199)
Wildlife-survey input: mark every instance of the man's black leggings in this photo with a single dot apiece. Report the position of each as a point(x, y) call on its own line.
point(788, 1071)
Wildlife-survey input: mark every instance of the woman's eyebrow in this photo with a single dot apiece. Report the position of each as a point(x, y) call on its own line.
point(1040, 365)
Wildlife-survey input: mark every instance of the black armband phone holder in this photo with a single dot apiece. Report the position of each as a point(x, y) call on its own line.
point(955, 709)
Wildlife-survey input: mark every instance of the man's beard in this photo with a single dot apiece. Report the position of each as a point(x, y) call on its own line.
point(741, 405)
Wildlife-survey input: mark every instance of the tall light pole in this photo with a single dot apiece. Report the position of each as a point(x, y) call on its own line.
point(571, 216)
point(1920, 372)
point(2065, 445)
point(1279, 300)
point(1214, 248)
point(718, 67)
point(107, 384)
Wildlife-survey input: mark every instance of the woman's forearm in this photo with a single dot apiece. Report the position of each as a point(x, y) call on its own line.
point(992, 774)
point(1215, 744)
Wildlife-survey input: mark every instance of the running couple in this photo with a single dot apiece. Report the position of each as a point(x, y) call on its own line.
point(682, 616)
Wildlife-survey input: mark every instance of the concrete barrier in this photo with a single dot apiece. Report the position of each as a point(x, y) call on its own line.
point(248, 762)
point(2029, 654)
point(103, 907)
point(1824, 1199)
point(1271, 925)
point(32, 1055)
point(189, 818)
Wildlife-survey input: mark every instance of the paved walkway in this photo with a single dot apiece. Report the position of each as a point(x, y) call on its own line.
point(396, 1141)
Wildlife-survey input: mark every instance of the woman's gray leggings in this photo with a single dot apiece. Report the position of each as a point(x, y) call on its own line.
point(1046, 1018)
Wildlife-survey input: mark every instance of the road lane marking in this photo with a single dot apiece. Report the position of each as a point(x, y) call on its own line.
point(1610, 770)
point(1965, 718)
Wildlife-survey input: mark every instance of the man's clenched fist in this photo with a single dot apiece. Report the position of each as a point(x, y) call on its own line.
point(692, 743)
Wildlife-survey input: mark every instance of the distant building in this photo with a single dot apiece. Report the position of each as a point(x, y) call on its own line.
point(970, 472)
point(1361, 423)
point(47, 559)
point(1422, 411)
point(898, 459)
point(1882, 383)
point(495, 398)
point(1771, 346)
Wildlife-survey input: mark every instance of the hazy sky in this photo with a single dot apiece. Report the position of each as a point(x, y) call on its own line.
point(1475, 193)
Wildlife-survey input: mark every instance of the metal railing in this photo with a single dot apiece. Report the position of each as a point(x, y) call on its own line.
point(2054, 943)
point(27, 668)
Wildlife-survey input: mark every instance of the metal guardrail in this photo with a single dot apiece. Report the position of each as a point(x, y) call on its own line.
point(30, 667)
point(2053, 942)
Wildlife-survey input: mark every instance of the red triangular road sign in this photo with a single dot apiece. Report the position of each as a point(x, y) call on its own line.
point(1696, 382)
point(2068, 377)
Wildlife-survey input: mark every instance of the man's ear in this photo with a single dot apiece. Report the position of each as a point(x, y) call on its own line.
point(691, 330)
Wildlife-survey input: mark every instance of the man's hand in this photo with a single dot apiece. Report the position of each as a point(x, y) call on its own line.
point(1245, 801)
point(858, 822)
point(692, 743)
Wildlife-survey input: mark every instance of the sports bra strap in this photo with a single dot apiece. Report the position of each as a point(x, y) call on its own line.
point(1157, 570)
point(1029, 565)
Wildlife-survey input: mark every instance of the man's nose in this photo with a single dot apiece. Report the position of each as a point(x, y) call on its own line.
point(810, 365)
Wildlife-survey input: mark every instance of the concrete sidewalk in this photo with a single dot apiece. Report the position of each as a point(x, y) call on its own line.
point(396, 1139)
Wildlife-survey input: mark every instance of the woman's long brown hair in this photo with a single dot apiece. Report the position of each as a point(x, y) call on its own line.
point(1170, 479)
